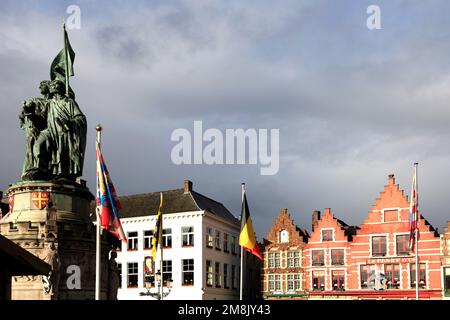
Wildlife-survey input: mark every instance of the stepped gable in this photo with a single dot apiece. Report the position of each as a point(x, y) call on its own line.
point(391, 197)
point(285, 222)
point(327, 221)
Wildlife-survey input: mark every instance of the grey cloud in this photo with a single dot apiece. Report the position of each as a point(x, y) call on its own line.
point(352, 106)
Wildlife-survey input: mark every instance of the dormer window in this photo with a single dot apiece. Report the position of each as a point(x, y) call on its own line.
point(327, 235)
point(284, 236)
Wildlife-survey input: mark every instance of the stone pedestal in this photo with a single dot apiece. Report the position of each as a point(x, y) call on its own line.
point(51, 219)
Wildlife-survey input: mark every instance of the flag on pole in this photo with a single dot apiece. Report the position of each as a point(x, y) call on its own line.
point(247, 237)
point(413, 213)
point(157, 231)
point(62, 66)
point(107, 200)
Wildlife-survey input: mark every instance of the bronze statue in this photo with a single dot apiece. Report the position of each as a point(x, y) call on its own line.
point(55, 126)
point(56, 135)
point(33, 121)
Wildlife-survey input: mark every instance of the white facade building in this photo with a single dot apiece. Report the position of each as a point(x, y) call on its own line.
point(201, 247)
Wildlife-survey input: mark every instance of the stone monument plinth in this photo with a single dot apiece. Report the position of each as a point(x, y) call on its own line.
point(51, 219)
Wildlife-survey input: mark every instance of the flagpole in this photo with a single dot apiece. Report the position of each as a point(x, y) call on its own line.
point(161, 249)
point(99, 129)
point(242, 252)
point(415, 231)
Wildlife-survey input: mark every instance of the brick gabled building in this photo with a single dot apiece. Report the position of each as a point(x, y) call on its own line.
point(371, 261)
point(328, 253)
point(283, 250)
point(381, 258)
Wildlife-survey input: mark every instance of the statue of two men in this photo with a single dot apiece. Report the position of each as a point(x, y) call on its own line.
point(56, 135)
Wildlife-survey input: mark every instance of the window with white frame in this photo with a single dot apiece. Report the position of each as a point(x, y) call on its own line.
point(402, 244)
point(274, 259)
point(422, 275)
point(167, 238)
point(284, 236)
point(209, 273)
point(318, 257)
point(274, 284)
point(338, 279)
point(327, 235)
point(367, 276)
point(379, 247)
point(217, 240)
point(133, 271)
point(188, 272)
point(293, 259)
point(218, 277)
point(337, 257)
point(233, 244)
point(225, 242)
point(187, 234)
point(209, 238)
point(132, 238)
point(148, 236)
point(167, 272)
point(293, 282)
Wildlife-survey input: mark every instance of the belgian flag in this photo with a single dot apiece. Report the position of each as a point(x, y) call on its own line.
point(247, 237)
point(158, 230)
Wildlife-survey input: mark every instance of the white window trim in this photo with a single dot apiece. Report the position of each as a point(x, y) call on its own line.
point(287, 281)
point(332, 236)
point(390, 209)
point(345, 256)
point(387, 244)
point(325, 276)
point(324, 257)
point(345, 277)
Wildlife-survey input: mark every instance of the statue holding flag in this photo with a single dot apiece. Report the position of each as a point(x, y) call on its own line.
point(55, 126)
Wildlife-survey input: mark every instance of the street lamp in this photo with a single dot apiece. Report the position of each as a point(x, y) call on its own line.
point(159, 294)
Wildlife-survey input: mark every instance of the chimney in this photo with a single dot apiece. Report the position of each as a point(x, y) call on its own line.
point(187, 186)
point(391, 179)
point(1, 195)
point(315, 218)
point(327, 211)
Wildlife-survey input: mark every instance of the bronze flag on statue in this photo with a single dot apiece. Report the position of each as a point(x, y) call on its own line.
point(62, 65)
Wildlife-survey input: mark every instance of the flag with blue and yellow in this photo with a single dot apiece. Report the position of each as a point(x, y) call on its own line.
point(108, 203)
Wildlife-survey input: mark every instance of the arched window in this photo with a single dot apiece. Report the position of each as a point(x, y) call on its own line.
point(284, 236)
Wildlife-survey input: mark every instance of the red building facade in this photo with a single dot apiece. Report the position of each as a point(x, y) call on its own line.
point(373, 260)
point(328, 253)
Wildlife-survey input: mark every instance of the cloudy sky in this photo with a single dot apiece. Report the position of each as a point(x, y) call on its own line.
point(352, 104)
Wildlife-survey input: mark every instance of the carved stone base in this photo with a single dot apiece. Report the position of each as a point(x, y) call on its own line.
point(51, 220)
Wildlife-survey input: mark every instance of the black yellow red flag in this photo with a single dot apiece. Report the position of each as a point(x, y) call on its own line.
point(247, 237)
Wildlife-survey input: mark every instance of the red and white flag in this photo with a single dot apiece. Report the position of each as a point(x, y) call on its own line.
point(414, 212)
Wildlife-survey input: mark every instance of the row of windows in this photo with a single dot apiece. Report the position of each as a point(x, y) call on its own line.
point(293, 282)
point(187, 274)
point(293, 259)
point(221, 241)
point(187, 238)
point(217, 278)
point(379, 249)
point(337, 257)
point(379, 245)
point(389, 278)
